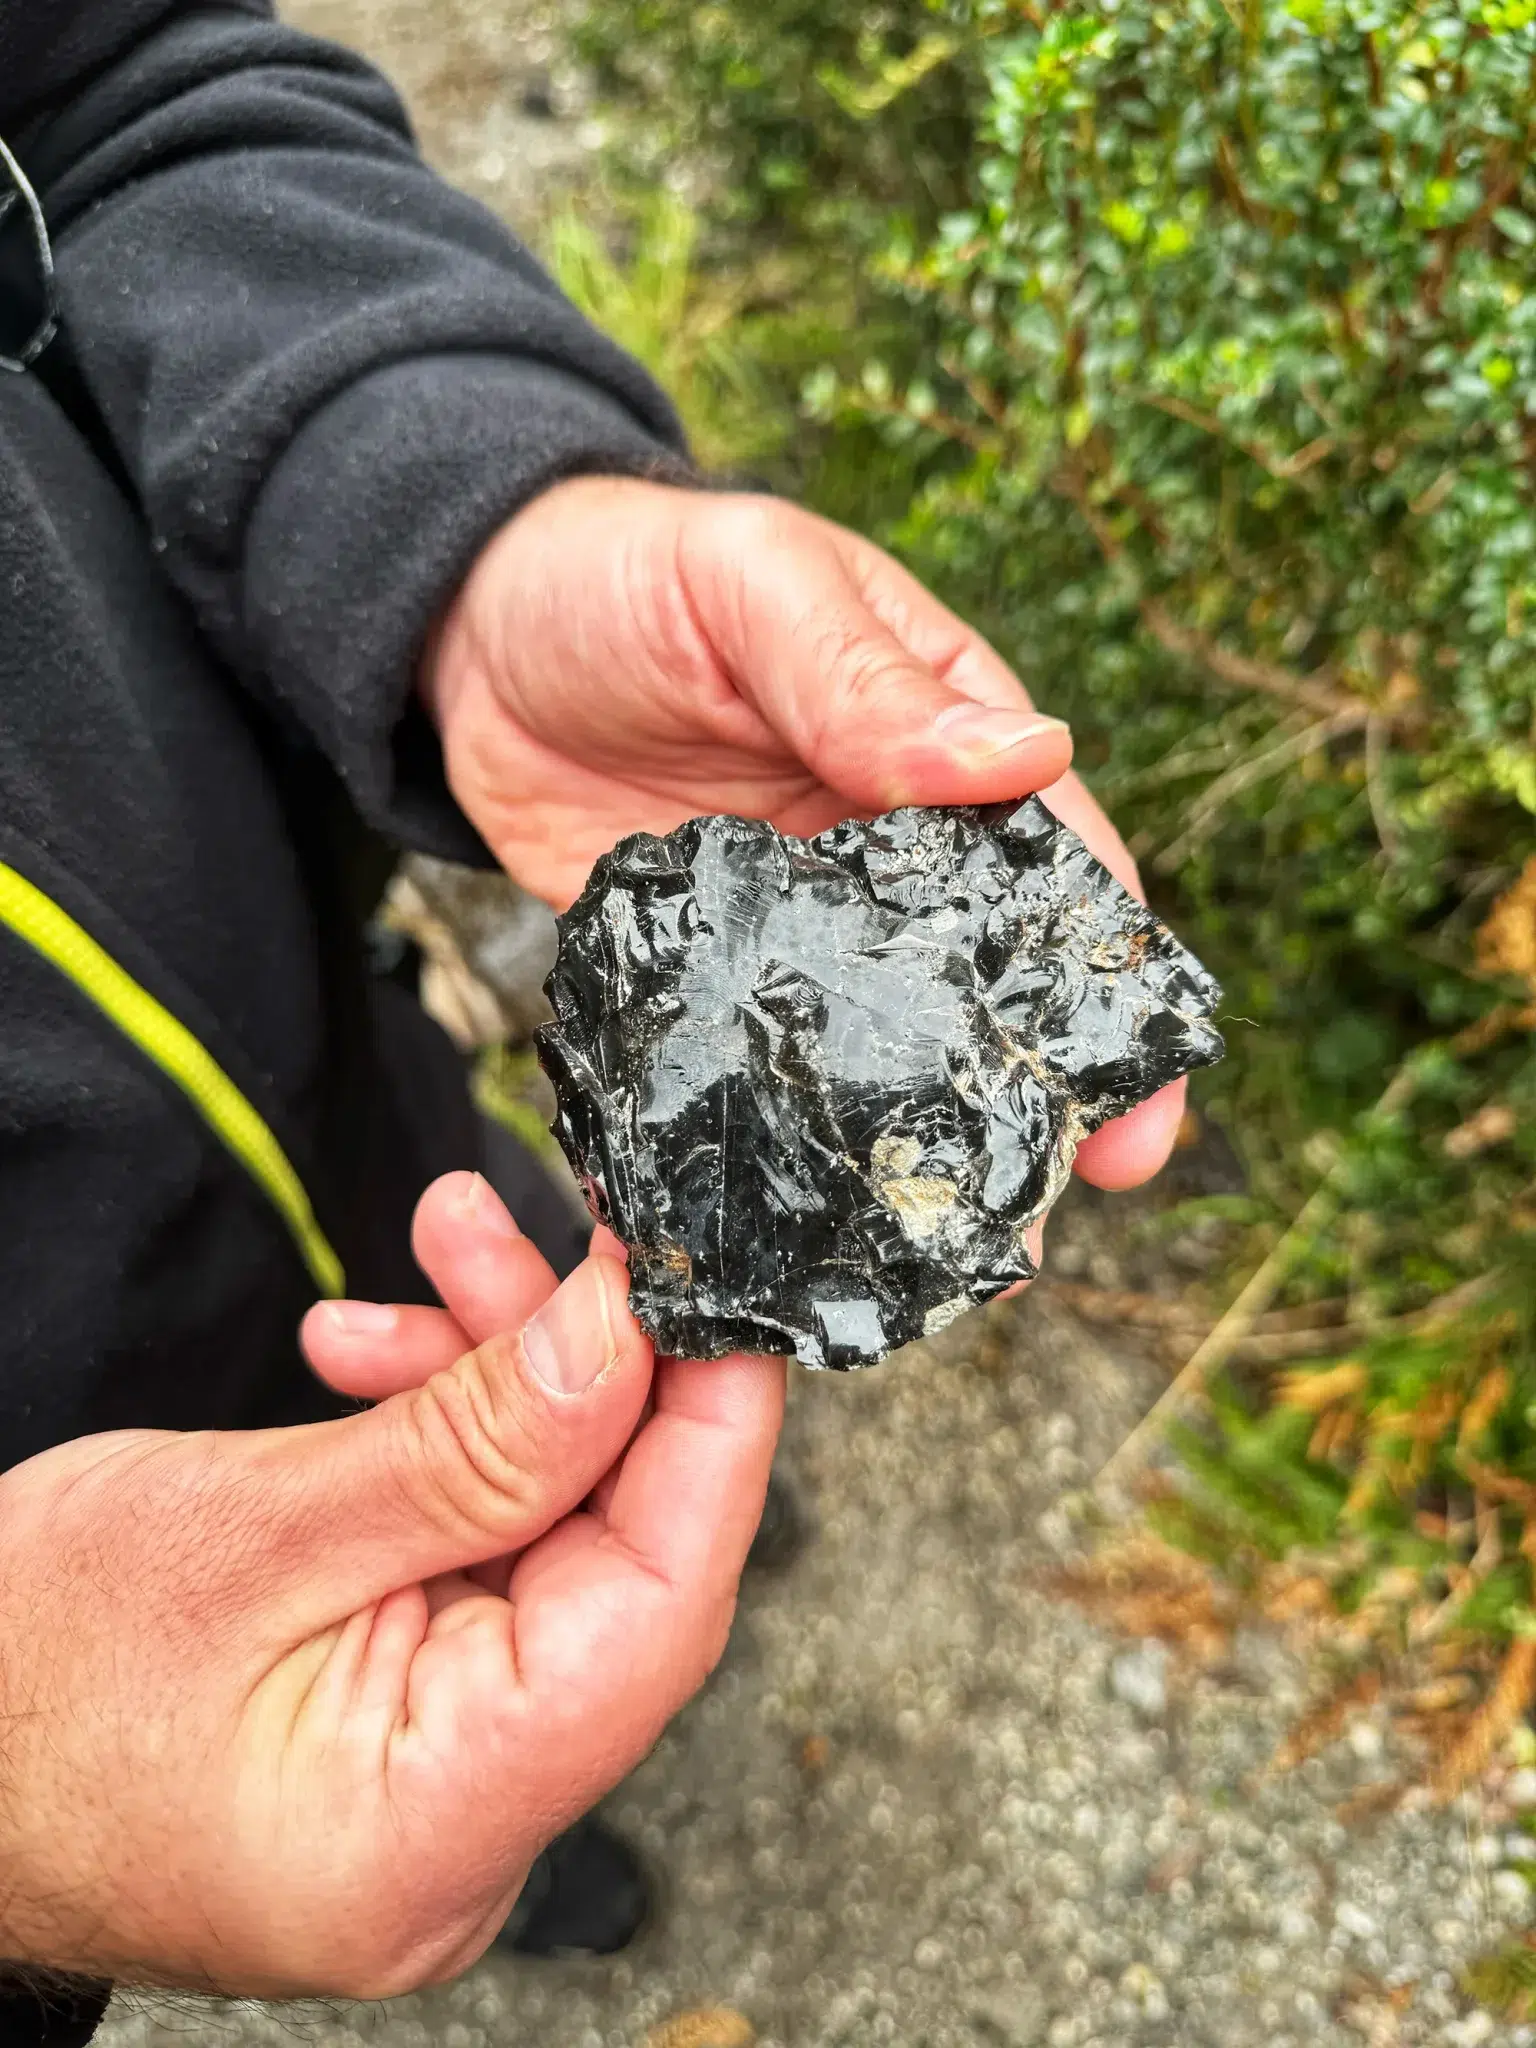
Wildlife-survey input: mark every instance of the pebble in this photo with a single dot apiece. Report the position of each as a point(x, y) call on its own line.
point(1355, 1922)
point(1472, 2032)
point(1139, 1677)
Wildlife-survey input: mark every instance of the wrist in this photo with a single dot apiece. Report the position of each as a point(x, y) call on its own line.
point(46, 1905)
point(52, 1911)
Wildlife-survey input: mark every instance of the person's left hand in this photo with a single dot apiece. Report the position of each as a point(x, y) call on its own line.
point(625, 655)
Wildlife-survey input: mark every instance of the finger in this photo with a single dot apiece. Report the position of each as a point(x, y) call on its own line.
point(689, 1492)
point(620, 1617)
point(480, 1460)
point(491, 1278)
point(1135, 1146)
point(1070, 802)
point(960, 656)
point(602, 1494)
point(371, 1350)
point(473, 1252)
point(607, 1244)
point(1034, 1241)
point(956, 652)
point(871, 717)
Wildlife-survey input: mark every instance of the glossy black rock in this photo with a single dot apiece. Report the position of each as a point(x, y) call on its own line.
point(820, 1087)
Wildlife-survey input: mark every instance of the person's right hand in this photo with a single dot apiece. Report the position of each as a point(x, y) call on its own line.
point(292, 1711)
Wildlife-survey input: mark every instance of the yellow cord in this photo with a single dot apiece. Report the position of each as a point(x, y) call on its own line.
point(38, 920)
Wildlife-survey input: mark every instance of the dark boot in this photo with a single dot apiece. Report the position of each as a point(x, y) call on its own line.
point(782, 1533)
point(585, 1896)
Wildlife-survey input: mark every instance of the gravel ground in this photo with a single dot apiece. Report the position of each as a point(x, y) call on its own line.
point(922, 1803)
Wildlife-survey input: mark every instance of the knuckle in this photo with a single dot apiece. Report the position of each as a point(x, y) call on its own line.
point(476, 1455)
point(748, 523)
point(728, 540)
point(862, 674)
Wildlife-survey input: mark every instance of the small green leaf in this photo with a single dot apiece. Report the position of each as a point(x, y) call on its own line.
point(1519, 227)
point(1124, 220)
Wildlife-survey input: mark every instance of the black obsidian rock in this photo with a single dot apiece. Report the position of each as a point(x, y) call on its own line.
point(820, 1087)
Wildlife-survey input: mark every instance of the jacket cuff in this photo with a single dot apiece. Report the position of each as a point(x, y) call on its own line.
point(366, 528)
point(53, 2012)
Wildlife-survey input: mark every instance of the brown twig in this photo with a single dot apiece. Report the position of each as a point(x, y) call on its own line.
point(1275, 1337)
point(1449, 242)
point(1284, 468)
point(1243, 671)
point(1155, 1312)
point(980, 393)
point(1257, 768)
point(1240, 671)
point(1257, 1292)
point(1511, 1695)
point(1280, 1346)
point(945, 423)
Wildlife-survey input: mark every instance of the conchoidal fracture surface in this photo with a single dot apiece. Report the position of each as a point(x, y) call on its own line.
point(822, 1087)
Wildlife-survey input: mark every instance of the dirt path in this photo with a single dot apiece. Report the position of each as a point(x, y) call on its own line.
point(924, 1804)
point(494, 107)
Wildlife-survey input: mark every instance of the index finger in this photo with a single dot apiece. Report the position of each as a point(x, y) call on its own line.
point(1135, 1146)
point(613, 1619)
point(619, 1615)
point(688, 1494)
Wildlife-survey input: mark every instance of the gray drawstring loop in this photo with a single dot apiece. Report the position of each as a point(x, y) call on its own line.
point(22, 194)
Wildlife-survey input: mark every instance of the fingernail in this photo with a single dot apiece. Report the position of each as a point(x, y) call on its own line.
point(565, 1344)
point(361, 1318)
point(983, 729)
point(479, 1205)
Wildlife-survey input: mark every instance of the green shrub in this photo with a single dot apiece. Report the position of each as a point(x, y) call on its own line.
point(799, 119)
point(693, 329)
point(1202, 344)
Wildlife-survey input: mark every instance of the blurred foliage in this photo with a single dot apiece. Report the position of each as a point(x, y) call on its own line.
point(1199, 344)
point(1506, 1979)
point(804, 121)
point(507, 1083)
point(703, 334)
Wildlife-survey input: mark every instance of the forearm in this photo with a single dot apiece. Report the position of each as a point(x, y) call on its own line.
point(52, 1993)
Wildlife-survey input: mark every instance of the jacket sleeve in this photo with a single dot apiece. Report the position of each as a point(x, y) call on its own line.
point(53, 2015)
point(325, 375)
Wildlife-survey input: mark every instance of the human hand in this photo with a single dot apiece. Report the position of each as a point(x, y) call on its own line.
point(625, 655)
point(292, 1712)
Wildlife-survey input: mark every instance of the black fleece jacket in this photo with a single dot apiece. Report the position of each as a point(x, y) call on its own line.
point(298, 383)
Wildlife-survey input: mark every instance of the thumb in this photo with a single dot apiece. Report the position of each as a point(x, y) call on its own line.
point(481, 1459)
point(853, 700)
